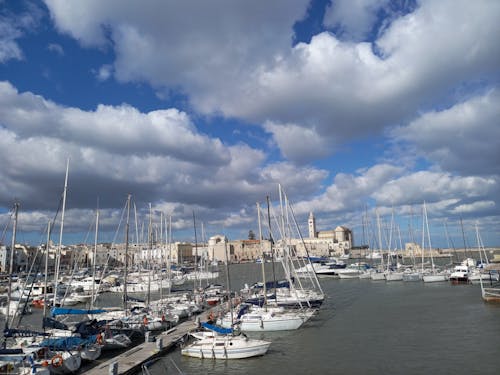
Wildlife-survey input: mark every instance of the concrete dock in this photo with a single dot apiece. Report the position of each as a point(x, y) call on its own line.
point(131, 361)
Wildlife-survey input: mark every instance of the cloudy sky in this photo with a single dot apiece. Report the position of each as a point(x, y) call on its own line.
point(206, 106)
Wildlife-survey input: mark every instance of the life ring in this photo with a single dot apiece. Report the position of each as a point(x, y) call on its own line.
point(57, 360)
point(99, 339)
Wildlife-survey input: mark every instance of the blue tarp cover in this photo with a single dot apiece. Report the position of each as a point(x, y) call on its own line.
point(63, 311)
point(67, 343)
point(224, 331)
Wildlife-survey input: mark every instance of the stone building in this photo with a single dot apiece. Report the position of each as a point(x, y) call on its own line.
point(335, 242)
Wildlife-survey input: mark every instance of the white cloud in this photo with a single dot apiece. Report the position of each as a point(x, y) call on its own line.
point(235, 58)
point(158, 156)
point(390, 186)
point(297, 143)
point(57, 48)
point(9, 48)
point(104, 72)
point(464, 138)
point(355, 18)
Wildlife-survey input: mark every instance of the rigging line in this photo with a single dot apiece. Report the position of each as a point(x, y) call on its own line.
point(305, 247)
point(4, 232)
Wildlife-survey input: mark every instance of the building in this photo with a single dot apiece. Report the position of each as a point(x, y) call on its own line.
point(335, 242)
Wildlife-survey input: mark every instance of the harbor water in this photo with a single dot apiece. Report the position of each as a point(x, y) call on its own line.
point(363, 327)
point(372, 327)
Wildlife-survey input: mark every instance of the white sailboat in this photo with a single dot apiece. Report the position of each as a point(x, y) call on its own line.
point(378, 274)
point(221, 343)
point(433, 275)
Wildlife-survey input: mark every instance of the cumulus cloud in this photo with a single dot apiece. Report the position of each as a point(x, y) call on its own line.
point(336, 89)
point(464, 138)
point(159, 156)
point(355, 19)
point(297, 143)
point(389, 186)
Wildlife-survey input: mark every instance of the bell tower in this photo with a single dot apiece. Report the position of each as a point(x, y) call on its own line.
point(312, 226)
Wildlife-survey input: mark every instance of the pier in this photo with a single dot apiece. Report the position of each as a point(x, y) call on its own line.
point(131, 361)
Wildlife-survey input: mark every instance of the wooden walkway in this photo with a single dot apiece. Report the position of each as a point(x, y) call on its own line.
point(130, 362)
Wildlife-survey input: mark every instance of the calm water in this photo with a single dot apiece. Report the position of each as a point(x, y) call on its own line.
point(367, 327)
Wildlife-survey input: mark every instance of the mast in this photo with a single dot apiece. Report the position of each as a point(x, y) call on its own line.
point(195, 254)
point(58, 253)
point(150, 248)
point(426, 222)
point(272, 243)
point(380, 239)
point(449, 240)
point(46, 271)
point(92, 300)
point(126, 256)
point(228, 281)
point(463, 236)
point(11, 264)
point(263, 258)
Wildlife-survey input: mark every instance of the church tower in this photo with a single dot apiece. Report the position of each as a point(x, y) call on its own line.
point(312, 226)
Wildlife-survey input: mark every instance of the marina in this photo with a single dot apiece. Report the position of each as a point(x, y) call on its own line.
point(363, 326)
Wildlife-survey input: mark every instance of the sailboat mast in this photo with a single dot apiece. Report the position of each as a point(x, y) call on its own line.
point(47, 247)
point(272, 243)
point(195, 254)
point(149, 262)
point(463, 236)
point(380, 239)
point(11, 264)
point(58, 254)
point(126, 256)
point(228, 281)
point(429, 237)
point(94, 260)
point(263, 257)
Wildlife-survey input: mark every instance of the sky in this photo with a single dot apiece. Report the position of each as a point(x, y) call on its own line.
point(357, 108)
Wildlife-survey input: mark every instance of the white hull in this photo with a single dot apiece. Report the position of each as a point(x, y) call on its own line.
point(394, 276)
point(377, 276)
point(350, 273)
point(260, 322)
point(487, 278)
point(91, 352)
point(412, 276)
point(226, 347)
point(119, 341)
point(70, 364)
point(434, 278)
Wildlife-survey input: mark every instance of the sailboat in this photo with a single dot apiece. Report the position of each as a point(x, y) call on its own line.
point(433, 275)
point(252, 318)
point(480, 272)
point(222, 343)
point(379, 274)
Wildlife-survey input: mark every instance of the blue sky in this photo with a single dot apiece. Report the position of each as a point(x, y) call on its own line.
point(206, 106)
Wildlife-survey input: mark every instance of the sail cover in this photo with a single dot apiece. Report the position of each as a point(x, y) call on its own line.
point(63, 311)
point(224, 331)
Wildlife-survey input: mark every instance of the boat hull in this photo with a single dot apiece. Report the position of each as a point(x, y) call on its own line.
point(209, 348)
